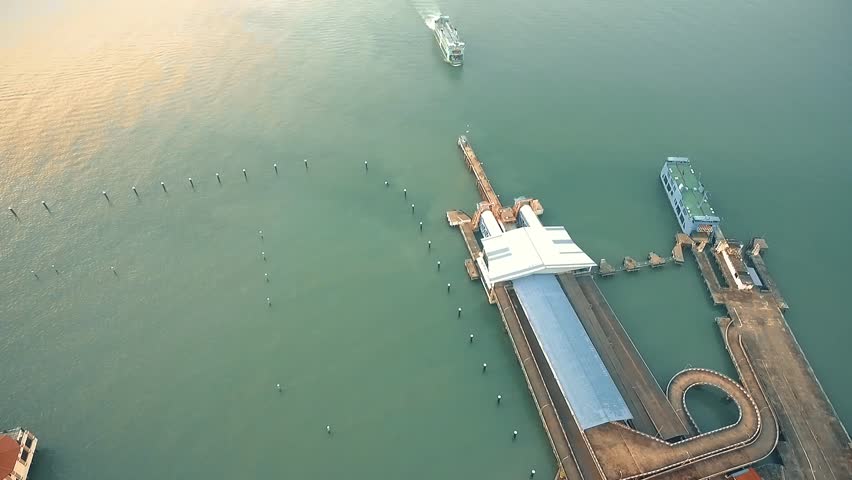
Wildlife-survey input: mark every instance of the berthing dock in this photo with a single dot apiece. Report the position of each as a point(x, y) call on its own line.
point(604, 413)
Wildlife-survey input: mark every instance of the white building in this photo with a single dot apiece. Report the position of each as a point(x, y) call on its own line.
point(531, 249)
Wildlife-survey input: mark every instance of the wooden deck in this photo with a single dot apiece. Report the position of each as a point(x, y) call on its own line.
point(472, 271)
point(486, 191)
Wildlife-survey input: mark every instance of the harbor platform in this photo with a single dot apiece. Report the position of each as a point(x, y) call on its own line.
point(660, 439)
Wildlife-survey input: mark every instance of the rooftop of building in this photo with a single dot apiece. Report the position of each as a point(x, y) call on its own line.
point(530, 250)
point(581, 374)
point(17, 447)
point(695, 197)
point(10, 451)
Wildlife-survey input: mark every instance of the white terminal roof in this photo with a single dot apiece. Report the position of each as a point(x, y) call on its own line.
point(530, 250)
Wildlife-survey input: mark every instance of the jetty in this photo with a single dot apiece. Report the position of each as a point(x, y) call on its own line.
point(604, 413)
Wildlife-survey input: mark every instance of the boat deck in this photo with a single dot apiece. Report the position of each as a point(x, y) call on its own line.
point(445, 28)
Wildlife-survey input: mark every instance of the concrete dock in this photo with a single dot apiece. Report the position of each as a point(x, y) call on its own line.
point(814, 443)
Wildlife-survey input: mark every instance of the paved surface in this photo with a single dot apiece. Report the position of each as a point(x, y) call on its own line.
point(818, 444)
point(761, 445)
point(815, 445)
point(630, 454)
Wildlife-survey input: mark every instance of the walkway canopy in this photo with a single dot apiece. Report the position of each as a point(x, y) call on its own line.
point(579, 370)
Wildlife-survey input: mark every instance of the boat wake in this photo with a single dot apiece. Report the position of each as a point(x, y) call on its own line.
point(430, 20)
point(428, 11)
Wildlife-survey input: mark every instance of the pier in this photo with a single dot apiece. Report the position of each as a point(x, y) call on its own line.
point(779, 400)
point(814, 443)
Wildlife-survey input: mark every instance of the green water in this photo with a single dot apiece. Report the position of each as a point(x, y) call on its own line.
point(168, 366)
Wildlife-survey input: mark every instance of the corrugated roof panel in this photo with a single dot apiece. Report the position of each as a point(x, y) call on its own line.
point(582, 376)
point(531, 250)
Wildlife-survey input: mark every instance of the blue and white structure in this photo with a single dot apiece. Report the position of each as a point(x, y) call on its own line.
point(452, 48)
point(529, 255)
point(488, 225)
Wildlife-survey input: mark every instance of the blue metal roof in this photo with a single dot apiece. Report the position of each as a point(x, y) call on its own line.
point(582, 376)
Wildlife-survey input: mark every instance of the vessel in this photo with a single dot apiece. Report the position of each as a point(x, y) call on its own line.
point(688, 198)
point(452, 48)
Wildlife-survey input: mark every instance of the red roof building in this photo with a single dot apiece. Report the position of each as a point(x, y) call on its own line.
point(749, 474)
point(16, 454)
